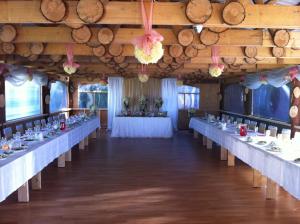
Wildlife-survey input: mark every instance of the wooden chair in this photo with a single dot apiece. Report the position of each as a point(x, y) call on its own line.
point(273, 130)
point(252, 125)
point(239, 120)
point(28, 125)
point(43, 123)
point(262, 128)
point(20, 128)
point(7, 132)
point(37, 123)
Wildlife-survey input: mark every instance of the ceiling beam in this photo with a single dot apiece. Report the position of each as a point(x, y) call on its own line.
point(165, 13)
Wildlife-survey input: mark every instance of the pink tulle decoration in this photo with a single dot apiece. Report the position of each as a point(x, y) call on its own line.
point(263, 79)
point(293, 73)
point(215, 69)
point(70, 66)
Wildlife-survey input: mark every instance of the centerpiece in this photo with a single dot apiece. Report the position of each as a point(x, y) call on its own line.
point(143, 103)
point(158, 104)
point(126, 105)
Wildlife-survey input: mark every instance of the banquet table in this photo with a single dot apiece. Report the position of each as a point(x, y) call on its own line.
point(142, 127)
point(21, 166)
point(277, 166)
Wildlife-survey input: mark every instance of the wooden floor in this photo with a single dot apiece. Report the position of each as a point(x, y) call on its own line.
point(143, 181)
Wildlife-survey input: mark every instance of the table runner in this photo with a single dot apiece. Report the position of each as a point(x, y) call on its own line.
point(22, 166)
point(277, 166)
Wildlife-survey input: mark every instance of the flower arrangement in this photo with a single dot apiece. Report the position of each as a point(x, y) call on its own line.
point(70, 67)
point(143, 102)
point(158, 103)
point(126, 103)
point(148, 47)
point(216, 70)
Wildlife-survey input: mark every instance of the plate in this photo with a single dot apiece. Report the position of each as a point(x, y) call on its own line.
point(261, 143)
point(3, 156)
point(274, 149)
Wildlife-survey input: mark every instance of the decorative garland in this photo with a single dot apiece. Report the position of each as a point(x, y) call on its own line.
point(148, 48)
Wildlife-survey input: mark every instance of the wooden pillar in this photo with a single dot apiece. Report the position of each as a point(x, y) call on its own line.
point(196, 135)
point(45, 103)
point(70, 94)
point(295, 102)
point(81, 145)
point(204, 140)
point(36, 181)
point(257, 178)
point(230, 159)
point(23, 193)
point(223, 153)
point(2, 99)
point(68, 155)
point(208, 143)
point(61, 161)
point(271, 189)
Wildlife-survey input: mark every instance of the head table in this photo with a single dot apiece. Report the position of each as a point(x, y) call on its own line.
point(278, 166)
point(142, 127)
point(21, 166)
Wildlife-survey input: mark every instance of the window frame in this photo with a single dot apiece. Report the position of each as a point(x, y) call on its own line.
point(93, 95)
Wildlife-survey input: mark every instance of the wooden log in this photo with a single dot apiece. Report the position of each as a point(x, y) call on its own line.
point(230, 159)
point(229, 60)
point(175, 50)
point(250, 61)
point(99, 51)
point(167, 59)
point(162, 65)
point(105, 35)
point(106, 58)
point(198, 11)
point(281, 38)
point(271, 189)
point(234, 13)
point(86, 141)
point(61, 161)
point(94, 42)
point(36, 181)
point(175, 65)
point(115, 49)
point(81, 145)
point(278, 52)
point(185, 37)
point(53, 10)
point(33, 57)
point(56, 58)
point(81, 35)
point(90, 11)
point(257, 178)
point(123, 65)
point(190, 51)
point(181, 59)
point(208, 37)
point(7, 33)
point(36, 48)
point(250, 52)
point(223, 153)
point(24, 50)
point(8, 48)
point(68, 155)
point(217, 29)
point(119, 59)
point(208, 143)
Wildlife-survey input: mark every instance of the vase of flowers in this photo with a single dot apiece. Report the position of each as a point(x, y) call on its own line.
point(143, 103)
point(126, 104)
point(158, 104)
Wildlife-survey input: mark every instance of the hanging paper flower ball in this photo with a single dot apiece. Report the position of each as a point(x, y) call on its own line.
point(143, 77)
point(293, 111)
point(263, 80)
point(69, 69)
point(179, 82)
point(216, 70)
point(156, 53)
point(103, 82)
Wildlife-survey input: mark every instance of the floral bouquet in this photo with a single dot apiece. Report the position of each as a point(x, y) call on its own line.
point(158, 103)
point(143, 102)
point(126, 103)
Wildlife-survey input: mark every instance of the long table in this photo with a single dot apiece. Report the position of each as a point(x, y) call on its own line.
point(16, 170)
point(142, 127)
point(277, 166)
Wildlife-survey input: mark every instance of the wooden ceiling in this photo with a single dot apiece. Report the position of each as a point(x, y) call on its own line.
point(263, 36)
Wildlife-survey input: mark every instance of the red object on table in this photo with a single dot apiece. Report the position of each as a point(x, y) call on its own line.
point(62, 125)
point(243, 130)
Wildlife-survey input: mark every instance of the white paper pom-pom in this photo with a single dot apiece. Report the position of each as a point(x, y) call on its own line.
point(157, 52)
point(143, 77)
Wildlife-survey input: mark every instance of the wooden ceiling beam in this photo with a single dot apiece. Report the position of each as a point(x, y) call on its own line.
point(165, 13)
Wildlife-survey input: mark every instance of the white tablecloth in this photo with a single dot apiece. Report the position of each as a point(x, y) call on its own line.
point(22, 166)
point(142, 127)
point(277, 166)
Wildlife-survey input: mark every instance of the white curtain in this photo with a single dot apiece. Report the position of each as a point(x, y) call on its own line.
point(115, 95)
point(169, 96)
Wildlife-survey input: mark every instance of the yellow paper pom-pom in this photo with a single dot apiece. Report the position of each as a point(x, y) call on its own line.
point(157, 52)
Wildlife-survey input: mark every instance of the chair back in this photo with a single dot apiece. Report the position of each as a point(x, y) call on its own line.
point(273, 130)
point(43, 123)
point(20, 128)
point(28, 125)
point(7, 132)
point(262, 128)
point(37, 123)
point(49, 119)
point(239, 120)
point(252, 125)
point(247, 122)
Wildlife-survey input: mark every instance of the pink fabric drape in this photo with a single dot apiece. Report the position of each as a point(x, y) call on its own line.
point(70, 57)
point(215, 57)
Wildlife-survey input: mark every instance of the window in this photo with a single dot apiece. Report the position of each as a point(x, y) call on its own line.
point(272, 103)
point(92, 94)
point(188, 97)
point(233, 98)
point(58, 96)
point(22, 101)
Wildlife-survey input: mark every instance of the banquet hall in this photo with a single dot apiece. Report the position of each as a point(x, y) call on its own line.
point(149, 112)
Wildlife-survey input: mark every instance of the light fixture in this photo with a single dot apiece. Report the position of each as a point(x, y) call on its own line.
point(198, 28)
